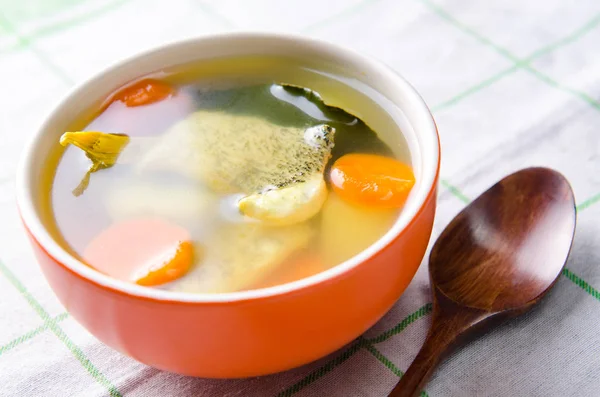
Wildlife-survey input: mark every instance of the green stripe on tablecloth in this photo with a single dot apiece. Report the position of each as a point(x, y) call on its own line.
point(452, 101)
point(383, 359)
point(77, 20)
point(465, 199)
point(349, 352)
point(581, 283)
point(29, 335)
point(411, 318)
point(320, 372)
point(455, 191)
point(21, 12)
point(519, 63)
point(589, 202)
point(65, 24)
point(390, 365)
point(548, 80)
point(471, 32)
point(25, 11)
point(95, 13)
point(574, 36)
point(507, 54)
point(475, 88)
point(55, 328)
point(42, 57)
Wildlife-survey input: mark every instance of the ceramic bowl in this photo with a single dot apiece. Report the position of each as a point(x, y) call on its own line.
point(249, 333)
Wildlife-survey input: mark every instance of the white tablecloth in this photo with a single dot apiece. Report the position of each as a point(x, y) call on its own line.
point(512, 83)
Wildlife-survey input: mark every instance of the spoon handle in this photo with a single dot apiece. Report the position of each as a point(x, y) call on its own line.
point(448, 324)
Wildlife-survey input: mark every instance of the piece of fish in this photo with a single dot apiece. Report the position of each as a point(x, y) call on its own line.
point(237, 256)
point(278, 169)
point(176, 203)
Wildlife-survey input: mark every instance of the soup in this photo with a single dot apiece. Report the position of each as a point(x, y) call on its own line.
point(228, 175)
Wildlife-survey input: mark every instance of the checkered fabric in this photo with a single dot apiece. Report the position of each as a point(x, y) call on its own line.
point(512, 83)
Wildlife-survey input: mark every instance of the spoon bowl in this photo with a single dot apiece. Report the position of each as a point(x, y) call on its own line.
point(495, 260)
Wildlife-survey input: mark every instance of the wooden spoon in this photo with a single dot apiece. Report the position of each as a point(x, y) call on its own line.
point(494, 261)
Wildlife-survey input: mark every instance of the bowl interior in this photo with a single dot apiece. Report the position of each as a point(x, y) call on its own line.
point(414, 119)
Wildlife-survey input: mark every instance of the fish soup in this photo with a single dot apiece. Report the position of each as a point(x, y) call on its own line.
point(228, 175)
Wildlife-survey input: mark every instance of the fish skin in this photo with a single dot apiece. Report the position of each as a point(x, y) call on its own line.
point(246, 154)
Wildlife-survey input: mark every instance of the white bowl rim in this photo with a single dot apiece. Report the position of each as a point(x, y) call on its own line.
point(429, 175)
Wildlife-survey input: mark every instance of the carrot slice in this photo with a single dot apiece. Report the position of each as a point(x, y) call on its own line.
point(174, 264)
point(372, 180)
point(144, 251)
point(144, 92)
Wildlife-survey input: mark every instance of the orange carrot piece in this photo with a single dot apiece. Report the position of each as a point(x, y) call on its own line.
point(174, 265)
point(144, 92)
point(372, 180)
point(144, 251)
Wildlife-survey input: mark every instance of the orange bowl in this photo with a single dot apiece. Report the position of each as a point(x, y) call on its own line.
point(246, 333)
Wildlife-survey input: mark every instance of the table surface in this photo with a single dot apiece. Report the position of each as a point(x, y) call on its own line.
point(511, 83)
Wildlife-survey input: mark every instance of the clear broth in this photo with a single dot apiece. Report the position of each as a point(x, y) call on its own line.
point(238, 86)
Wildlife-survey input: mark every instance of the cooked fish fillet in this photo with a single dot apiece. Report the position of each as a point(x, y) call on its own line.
point(179, 204)
point(237, 256)
point(231, 153)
